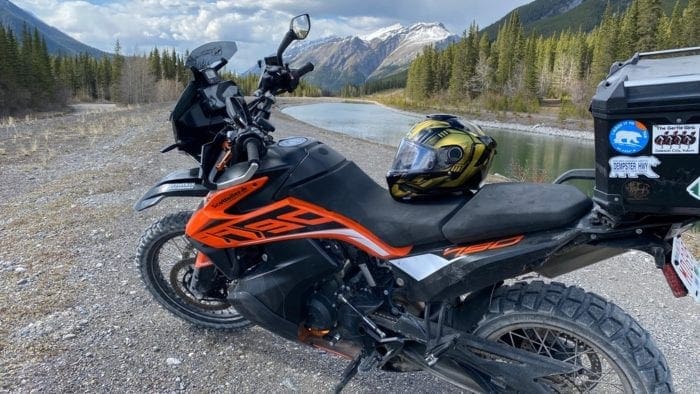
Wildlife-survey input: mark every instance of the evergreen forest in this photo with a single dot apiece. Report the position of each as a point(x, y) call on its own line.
point(517, 72)
point(33, 80)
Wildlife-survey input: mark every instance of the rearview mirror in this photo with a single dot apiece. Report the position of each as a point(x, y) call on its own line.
point(300, 26)
point(298, 30)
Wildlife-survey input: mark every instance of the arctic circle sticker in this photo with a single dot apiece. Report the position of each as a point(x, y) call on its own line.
point(629, 137)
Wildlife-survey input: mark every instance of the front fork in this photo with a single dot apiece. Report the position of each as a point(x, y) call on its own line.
point(204, 277)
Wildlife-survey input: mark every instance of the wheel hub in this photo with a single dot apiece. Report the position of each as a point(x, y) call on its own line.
point(180, 278)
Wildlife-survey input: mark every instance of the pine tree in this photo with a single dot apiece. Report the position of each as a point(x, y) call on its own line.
point(117, 67)
point(457, 88)
point(509, 49)
point(629, 34)
point(154, 64)
point(674, 37)
point(531, 83)
point(650, 13)
point(604, 46)
point(691, 22)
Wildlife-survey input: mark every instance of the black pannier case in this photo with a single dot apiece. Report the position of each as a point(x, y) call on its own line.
point(647, 126)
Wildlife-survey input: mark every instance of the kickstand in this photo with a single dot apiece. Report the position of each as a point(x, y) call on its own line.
point(349, 373)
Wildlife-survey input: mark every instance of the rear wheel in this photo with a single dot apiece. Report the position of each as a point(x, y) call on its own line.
point(568, 324)
point(166, 261)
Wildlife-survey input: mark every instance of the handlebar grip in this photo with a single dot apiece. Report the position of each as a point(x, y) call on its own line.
point(252, 147)
point(305, 69)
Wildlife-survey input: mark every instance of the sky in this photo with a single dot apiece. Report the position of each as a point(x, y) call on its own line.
point(256, 25)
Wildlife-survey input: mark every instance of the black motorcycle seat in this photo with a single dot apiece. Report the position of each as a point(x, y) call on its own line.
point(507, 209)
point(497, 210)
point(350, 192)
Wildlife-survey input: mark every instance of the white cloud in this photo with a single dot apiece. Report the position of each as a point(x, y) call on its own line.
point(257, 26)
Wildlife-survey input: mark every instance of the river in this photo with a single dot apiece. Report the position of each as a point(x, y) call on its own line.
point(520, 155)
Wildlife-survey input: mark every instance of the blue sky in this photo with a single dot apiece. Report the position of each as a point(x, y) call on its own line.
point(255, 25)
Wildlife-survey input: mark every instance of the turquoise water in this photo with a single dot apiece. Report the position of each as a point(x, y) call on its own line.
point(533, 155)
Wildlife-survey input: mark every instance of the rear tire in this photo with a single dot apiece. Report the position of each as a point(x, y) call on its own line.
point(165, 258)
point(555, 320)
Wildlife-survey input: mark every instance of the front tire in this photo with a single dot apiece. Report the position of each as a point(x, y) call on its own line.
point(582, 328)
point(166, 262)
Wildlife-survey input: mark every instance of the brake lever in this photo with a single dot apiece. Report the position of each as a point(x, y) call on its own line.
point(226, 146)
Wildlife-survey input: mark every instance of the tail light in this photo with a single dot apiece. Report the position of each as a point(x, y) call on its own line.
point(674, 282)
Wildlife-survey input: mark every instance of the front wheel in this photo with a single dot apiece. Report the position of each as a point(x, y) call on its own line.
point(568, 324)
point(166, 261)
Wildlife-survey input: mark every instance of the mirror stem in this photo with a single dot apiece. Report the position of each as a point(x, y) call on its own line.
point(288, 38)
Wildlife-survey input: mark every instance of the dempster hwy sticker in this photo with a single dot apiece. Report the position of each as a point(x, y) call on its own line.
point(633, 167)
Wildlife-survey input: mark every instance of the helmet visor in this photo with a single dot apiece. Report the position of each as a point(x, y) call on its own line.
point(413, 158)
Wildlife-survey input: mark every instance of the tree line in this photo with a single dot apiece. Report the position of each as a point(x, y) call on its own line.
point(31, 79)
point(516, 71)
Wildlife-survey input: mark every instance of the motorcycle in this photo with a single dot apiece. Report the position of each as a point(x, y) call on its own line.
point(294, 238)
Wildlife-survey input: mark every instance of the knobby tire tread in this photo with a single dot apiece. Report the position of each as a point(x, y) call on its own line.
point(166, 226)
point(587, 310)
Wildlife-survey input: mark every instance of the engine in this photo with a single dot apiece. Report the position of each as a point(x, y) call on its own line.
point(361, 287)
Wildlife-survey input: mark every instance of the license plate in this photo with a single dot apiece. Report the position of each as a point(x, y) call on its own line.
point(687, 267)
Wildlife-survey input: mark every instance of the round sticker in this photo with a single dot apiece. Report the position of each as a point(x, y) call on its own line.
point(629, 136)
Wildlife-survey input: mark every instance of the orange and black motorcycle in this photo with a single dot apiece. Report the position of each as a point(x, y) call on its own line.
point(296, 239)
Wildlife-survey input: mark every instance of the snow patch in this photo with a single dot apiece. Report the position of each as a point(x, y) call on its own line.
point(383, 33)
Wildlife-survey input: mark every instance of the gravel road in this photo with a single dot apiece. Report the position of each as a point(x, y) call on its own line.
point(75, 317)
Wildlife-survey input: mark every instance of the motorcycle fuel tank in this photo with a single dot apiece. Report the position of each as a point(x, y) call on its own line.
point(289, 163)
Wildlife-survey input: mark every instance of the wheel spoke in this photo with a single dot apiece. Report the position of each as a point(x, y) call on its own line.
point(596, 373)
point(543, 342)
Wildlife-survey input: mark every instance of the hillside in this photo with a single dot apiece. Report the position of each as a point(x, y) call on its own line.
point(354, 60)
point(57, 42)
point(548, 17)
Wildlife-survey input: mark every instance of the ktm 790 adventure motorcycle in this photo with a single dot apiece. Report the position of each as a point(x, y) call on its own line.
point(293, 237)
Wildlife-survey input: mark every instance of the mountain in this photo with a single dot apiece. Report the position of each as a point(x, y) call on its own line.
point(356, 59)
point(549, 17)
point(57, 42)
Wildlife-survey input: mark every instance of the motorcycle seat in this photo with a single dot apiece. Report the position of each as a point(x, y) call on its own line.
point(347, 190)
point(507, 209)
point(497, 210)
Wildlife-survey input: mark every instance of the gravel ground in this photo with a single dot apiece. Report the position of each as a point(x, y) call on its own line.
point(75, 317)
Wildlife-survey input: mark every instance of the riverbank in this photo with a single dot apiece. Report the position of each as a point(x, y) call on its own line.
point(526, 123)
point(74, 316)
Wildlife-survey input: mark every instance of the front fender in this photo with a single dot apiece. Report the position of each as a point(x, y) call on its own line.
point(181, 183)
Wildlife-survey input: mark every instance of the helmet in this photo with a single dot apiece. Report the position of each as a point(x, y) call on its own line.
point(440, 155)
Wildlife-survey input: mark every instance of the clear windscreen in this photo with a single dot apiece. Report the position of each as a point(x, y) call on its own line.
point(208, 54)
point(412, 157)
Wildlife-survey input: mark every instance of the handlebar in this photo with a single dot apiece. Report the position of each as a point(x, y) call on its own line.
point(252, 147)
point(305, 69)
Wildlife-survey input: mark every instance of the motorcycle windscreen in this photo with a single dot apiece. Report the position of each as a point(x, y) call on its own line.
point(208, 54)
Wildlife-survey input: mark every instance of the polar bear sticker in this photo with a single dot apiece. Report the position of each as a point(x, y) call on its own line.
point(629, 137)
point(633, 167)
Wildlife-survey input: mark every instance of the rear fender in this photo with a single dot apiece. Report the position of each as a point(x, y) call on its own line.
point(182, 183)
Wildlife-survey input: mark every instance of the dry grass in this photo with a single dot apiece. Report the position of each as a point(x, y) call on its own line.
point(522, 173)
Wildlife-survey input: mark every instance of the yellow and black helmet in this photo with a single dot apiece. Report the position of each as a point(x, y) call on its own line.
point(441, 155)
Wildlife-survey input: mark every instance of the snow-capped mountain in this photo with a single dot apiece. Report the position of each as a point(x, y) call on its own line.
point(355, 59)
